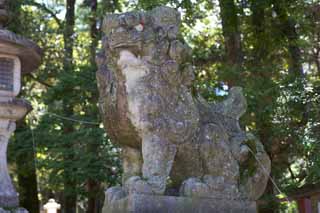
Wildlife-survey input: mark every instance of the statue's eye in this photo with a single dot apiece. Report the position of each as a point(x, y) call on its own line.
point(139, 27)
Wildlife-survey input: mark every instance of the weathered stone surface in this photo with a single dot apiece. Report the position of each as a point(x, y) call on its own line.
point(13, 210)
point(10, 111)
point(138, 203)
point(8, 194)
point(29, 53)
point(172, 142)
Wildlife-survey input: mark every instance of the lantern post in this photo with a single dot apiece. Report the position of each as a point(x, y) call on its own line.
point(18, 56)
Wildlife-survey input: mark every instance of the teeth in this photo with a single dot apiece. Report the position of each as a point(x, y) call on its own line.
point(120, 30)
point(139, 27)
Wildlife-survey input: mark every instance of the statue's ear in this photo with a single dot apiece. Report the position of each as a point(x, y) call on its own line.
point(111, 21)
point(165, 16)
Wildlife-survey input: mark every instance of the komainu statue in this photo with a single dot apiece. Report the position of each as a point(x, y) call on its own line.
point(173, 144)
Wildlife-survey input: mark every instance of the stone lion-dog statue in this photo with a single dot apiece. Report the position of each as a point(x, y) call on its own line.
point(172, 143)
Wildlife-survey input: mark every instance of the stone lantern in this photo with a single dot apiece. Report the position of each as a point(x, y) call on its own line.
point(17, 56)
point(52, 206)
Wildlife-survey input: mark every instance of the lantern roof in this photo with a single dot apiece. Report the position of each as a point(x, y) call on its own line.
point(28, 52)
point(11, 44)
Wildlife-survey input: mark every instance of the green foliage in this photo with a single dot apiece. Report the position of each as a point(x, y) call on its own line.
point(84, 153)
point(281, 106)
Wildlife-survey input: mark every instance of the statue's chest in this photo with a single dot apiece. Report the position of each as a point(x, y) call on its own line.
point(133, 78)
point(135, 92)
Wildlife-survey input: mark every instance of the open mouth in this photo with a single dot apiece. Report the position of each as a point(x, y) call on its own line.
point(134, 46)
point(124, 44)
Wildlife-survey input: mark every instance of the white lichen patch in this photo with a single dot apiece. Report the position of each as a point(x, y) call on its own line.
point(134, 70)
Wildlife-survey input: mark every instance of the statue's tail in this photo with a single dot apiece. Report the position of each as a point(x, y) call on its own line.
point(234, 106)
point(247, 150)
point(255, 181)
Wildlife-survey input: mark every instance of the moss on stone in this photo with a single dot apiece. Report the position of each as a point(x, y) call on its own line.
point(249, 167)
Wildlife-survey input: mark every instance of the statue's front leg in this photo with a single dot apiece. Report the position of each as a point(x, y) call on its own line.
point(158, 156)
point(131, 162)
point(132, 167)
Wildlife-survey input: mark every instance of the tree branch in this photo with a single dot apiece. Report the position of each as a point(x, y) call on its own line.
point(38, 80)
point(46, 9)
point(293, 177)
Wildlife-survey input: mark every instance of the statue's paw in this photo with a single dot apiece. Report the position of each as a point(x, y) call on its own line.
point(215, 183)
point(135, 185)
point(115, 193)
point(194, 187)
point(221, 188)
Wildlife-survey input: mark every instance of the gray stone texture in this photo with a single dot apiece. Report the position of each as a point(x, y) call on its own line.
point(28, 52)
point(139, 203)
point(11, 110)
point(172, 142)
point(13, 210)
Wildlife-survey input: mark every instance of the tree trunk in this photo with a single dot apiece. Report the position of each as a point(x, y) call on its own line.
point(70, 196)
point(28, 192)
point(69, 35)
point(93, 186)
point(288, 29)
point(94, 33)
point(232, 38)
point(258, 20)
point(260, 53)
point(26, 171)
point(94, 189)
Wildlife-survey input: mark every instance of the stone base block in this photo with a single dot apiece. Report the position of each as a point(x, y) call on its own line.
point(138, 203)
point(9, 201)
point(13, 210)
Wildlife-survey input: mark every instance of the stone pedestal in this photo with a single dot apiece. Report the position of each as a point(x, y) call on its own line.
point(8, 195)
point(16, 210)
point(138, 203)
point(11, 109)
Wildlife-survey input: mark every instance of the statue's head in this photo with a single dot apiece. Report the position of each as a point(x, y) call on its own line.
point(134, 30)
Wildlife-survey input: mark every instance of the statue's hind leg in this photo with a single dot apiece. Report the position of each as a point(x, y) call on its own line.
point(158, 156)
point(220, 175)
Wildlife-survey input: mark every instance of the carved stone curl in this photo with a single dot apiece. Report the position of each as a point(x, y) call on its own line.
point(172, 143)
